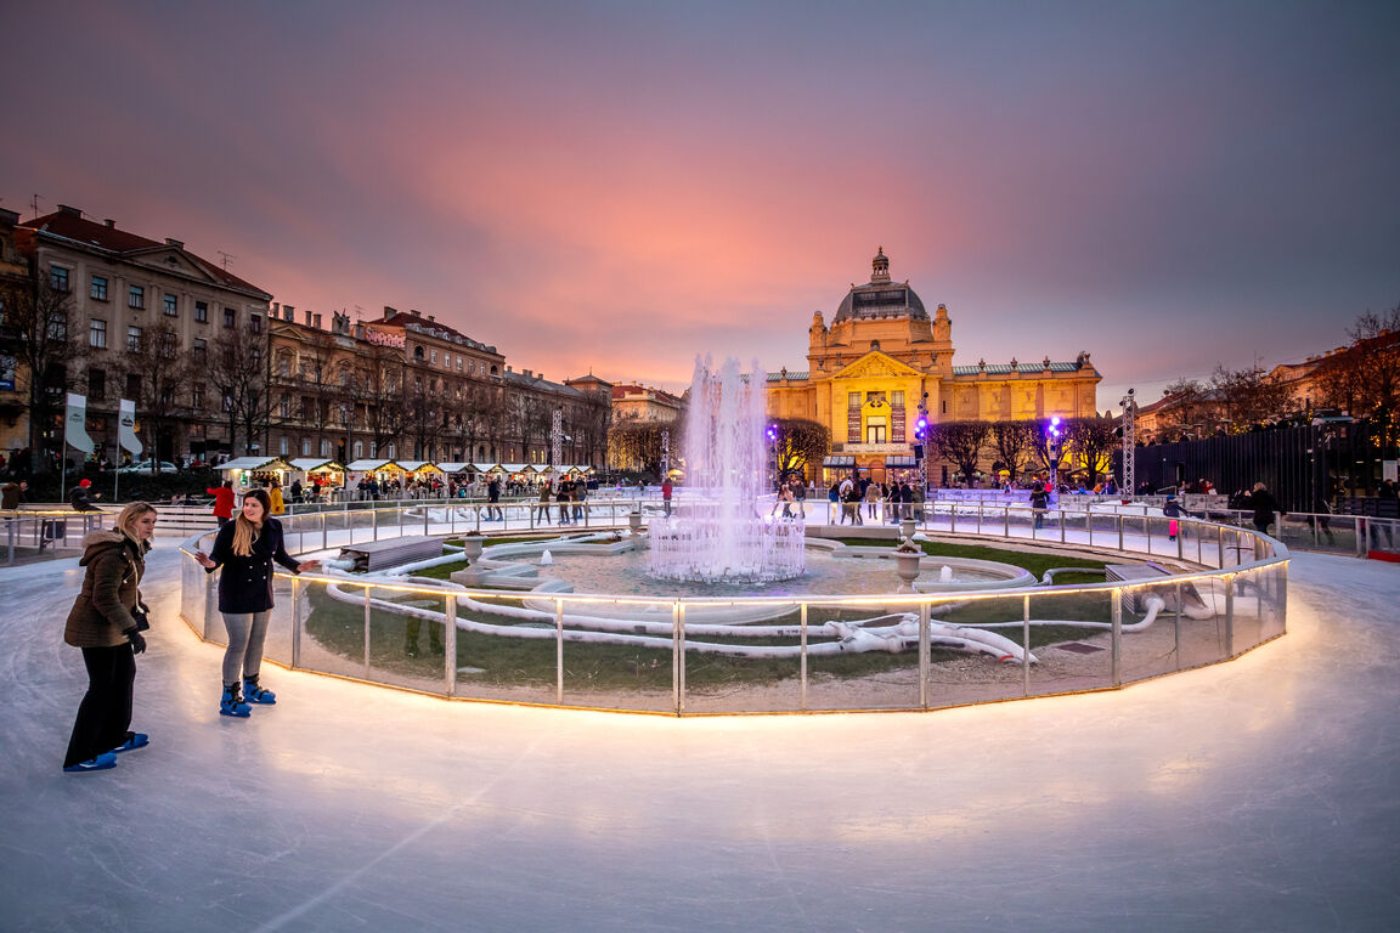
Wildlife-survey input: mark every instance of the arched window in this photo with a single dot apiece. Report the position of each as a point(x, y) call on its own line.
point(359, 449)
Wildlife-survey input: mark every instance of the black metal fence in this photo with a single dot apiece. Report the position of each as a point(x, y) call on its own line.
point(1303, 466)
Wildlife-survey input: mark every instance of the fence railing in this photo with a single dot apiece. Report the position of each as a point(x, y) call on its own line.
point(44, 533)
point(1225, 594)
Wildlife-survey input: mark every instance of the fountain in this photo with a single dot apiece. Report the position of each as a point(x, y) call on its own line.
point(722, 534)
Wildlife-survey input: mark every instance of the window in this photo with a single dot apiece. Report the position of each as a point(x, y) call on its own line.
point(201, 312)
point(256, 354)
point(228, 401)
point(197, 395)
point(418, 354)
point(133, 387)
point(306, 446)
point(133, 339)
point(136, 297)
point(98, 290)
point(853, 400)
point(325, 448)
point(255, 322)
point(284, 408)
point(434, 357)
point(945, 406)
point(97, 334)
point(97, 384)
point(392, 455)
point(359, 450)
point(284, 363)
point(282, 446)
point(875, 431)
point(58, 278)
point(230, 317)
point(201, 350)
point(897, 399)
point(170, 305)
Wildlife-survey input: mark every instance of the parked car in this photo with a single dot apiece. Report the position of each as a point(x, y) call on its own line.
point(144, 466)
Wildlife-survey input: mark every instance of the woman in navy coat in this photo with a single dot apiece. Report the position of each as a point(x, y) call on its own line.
point(246, 548)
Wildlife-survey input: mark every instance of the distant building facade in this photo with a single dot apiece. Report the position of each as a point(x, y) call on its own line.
point(883, 355)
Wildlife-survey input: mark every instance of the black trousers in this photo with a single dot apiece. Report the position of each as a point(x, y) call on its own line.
point(105, 713)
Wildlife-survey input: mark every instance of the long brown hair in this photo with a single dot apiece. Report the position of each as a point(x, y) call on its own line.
point(243, 530)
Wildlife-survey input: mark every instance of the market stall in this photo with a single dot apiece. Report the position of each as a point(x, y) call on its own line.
point(256, 471)
point(320, 478)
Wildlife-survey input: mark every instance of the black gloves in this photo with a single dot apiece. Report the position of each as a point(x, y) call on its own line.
point(138, 641)
point(142, 616)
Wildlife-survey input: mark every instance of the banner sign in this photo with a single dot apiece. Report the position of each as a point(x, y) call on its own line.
point(126, 427)
point(75, 424)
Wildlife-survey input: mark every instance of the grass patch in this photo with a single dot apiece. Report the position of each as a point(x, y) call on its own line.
point(505, 661)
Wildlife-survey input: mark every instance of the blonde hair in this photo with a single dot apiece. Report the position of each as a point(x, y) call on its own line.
point(127, 518)
point(244, 530)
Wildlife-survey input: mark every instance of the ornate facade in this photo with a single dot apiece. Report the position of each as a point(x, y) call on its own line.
point(883, 356)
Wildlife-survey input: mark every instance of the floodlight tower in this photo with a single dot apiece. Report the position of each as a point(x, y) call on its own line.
point(1054, 454)
point(772, 434)
point(665, 453)
point(1128, 486)
point(921, 436)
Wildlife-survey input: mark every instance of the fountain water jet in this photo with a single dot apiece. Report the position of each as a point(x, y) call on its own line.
point(723, 535)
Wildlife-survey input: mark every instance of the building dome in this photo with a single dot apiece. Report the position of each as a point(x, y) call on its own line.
point(880, 297)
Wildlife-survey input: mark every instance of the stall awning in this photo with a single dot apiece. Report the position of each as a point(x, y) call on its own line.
point(485, 467)
point(307, 464)
point(365, 466)
point(453, 467)
point(256, 463)
point(901, 463)
point(418, 466)
point(839, 462)
point(515, 467)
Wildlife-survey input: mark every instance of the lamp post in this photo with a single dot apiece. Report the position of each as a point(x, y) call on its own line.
point(1054, 433)
point(772, 435)
point(921, 438)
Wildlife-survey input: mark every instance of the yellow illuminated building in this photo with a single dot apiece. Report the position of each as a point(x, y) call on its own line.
point(867, 373)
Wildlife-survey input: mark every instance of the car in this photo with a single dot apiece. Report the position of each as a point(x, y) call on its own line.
point(144, 466)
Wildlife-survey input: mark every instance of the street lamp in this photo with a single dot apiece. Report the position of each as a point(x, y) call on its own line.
point(772, 435)
point(1054, 453)
point(921, 435)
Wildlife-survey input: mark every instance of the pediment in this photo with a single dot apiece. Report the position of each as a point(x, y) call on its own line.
point(171, 259)
point(875, 365)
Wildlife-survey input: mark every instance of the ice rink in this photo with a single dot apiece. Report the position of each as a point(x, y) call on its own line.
point(1263, 794)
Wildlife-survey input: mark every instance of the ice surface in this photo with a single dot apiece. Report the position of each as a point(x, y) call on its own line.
point(1256, 795)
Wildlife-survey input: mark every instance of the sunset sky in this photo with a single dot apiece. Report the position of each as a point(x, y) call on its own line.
point(616, 187)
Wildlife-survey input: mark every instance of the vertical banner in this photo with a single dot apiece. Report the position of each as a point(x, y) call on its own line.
point(75, 424)
point(126, 428)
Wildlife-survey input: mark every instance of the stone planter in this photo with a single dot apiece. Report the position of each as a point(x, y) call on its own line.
point(634, 521)
point(472, 547)
point(906, 528)
point(907, 566)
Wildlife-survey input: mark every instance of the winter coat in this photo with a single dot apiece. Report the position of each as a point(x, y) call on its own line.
point(1264, 505)
point(279, 504)
point(223, 501)
point(111, 589)
point(246, 583)
point(81, 501)
point(10, 494)
point(1173, 509)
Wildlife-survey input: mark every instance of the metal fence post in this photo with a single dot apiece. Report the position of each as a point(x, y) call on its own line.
point(558, 650)
point(675, 655)
point(1117, 637)
point(924, 660)
point(1025, 645)
point(368, 613)
point(374, 522)
point(1119, 517)
point(449, 645)
point(1062, 526)
point(1230, 616)
point(1176, 626)
point(802, 655)
point(296, 623)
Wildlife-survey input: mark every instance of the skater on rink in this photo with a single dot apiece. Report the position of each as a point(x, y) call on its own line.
point(106, 622)
point(246, 548)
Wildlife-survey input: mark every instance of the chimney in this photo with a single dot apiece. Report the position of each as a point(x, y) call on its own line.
point(414, 312)
point(389, 312)
point(277, 309)
point(431, 318)
point(67, 211)
point(169, 241)
point(289, 313)
point(529, 374)
point(317, 319)
point(111, 224)
point(308, 317)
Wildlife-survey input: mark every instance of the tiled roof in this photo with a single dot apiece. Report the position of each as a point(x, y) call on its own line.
point(1004, 369)
point(422, 325)
point(74, 227)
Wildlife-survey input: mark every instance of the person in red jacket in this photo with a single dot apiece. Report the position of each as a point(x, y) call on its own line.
point(223, 501)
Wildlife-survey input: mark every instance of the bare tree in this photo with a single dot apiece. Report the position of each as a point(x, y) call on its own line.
point(1190, 407)
point(637, 445)
point(960, 443)
point(37, 322)
point(1013, 441)
point(160, 373)
point(237, 371)
point(1248, 397)
point(800, 442)
point(1090, 443)
point(377, 389)
point(1364, 379)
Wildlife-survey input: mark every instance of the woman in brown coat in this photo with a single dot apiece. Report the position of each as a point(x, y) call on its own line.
point(104, 623)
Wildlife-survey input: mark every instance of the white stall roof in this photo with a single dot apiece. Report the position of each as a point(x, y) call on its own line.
point(307, 464)
point(256, 463)
point(362, 466)
point(453, 467)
